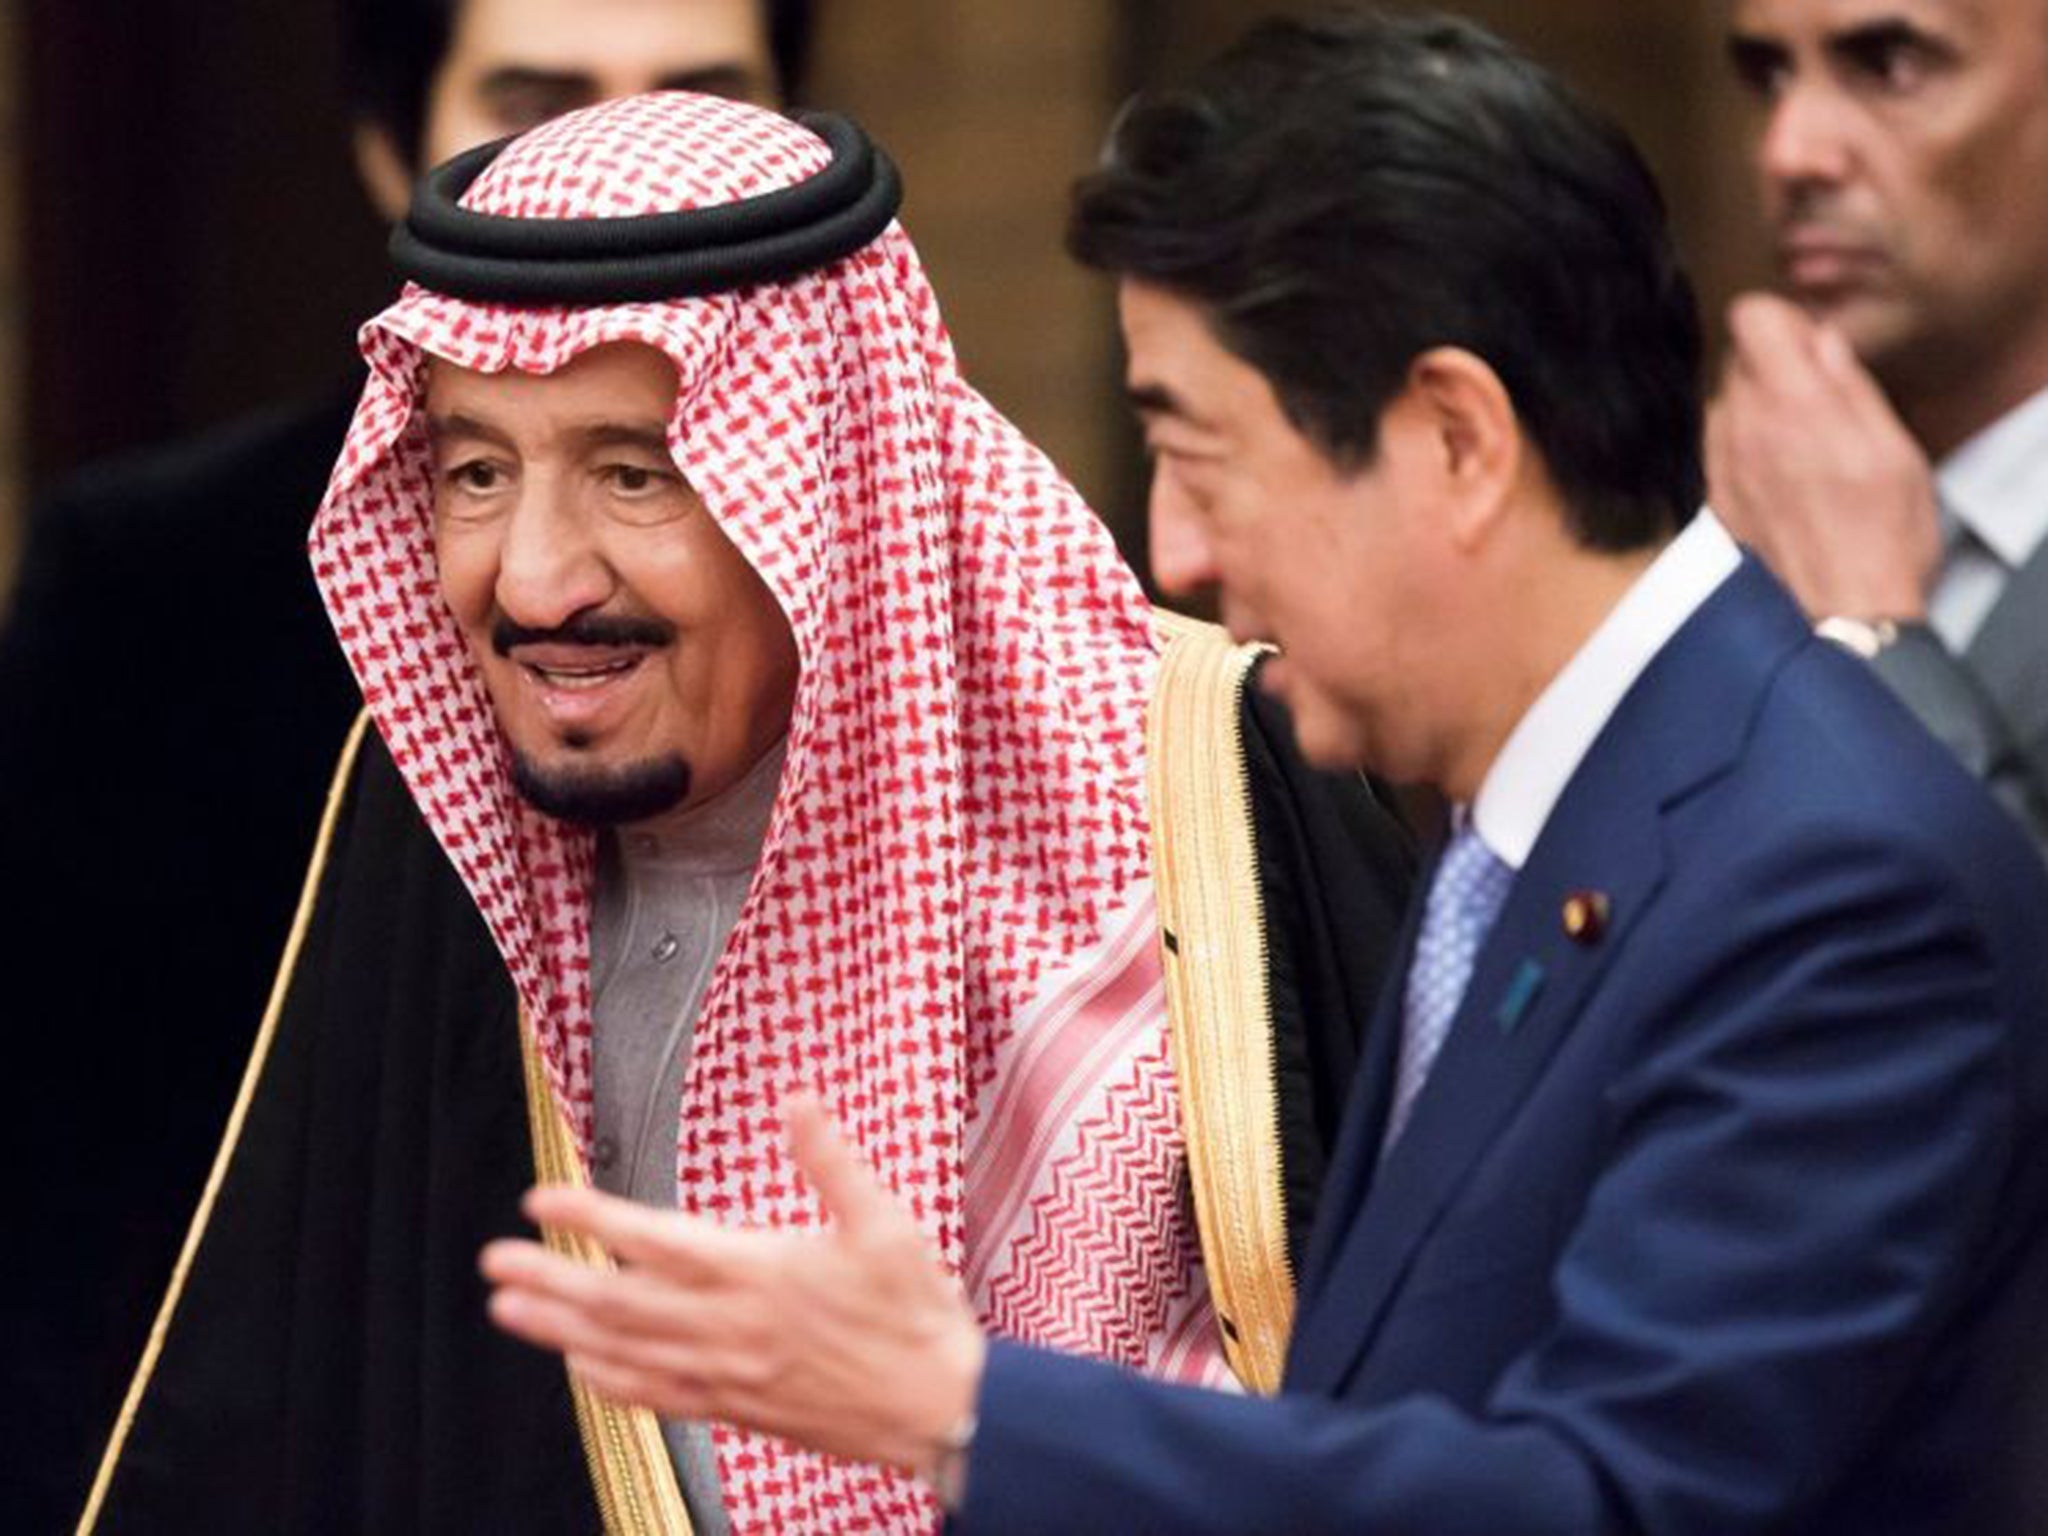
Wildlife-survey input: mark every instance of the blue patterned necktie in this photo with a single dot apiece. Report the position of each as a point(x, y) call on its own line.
point(1464, 898)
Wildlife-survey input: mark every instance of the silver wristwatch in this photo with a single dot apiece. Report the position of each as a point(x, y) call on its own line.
point(1862, 637)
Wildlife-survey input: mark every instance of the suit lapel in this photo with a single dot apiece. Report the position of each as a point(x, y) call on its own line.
point(1678, 726)
point(2009, 655)
point(1528, 986)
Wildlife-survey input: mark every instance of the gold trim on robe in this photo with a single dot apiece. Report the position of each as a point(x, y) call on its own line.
point(1213, 932)
point(337, 792)
point(1212, 919)
point(630, 1470)
point(631, 1475)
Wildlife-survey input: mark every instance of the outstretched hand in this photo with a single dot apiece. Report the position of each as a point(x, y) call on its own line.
point(1808, 464)
point(853, 1341)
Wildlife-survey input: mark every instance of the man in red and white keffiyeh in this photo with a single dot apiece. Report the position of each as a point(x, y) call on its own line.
point(608, 552)
point(784, 715)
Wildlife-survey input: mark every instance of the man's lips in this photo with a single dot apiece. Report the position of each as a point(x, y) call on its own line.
point(578, 685)
point(574, 662)
point(1819, 260)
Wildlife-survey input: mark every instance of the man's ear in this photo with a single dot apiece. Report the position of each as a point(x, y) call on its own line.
point(386, 174)
point(1455, 399)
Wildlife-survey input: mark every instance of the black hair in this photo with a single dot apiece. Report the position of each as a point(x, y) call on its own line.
point(1340, 194)
point(391, 50)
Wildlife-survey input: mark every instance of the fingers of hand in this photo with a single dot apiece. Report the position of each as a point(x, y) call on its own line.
point(1802, 375)
point(1722, 467)
point(681, 1396)
point(670, 1241)
point(566, 1328)
point(851, 1193)
point(673, 1397)
point(1774, 345)
point(630, 1299)
point(1741, 454)
point(628, 1315)
point(1860, 395)
point(1796, 403)
point(1771, 380)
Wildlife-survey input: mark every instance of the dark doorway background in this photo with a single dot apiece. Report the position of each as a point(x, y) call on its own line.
point(196, 244)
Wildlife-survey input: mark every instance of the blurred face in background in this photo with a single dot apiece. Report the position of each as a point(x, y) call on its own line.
point(1902, 161)
point(513, 64)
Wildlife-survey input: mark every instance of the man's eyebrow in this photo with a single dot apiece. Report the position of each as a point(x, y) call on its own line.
point(650, 437)
point(1151, 400)
point(1751, 54)
point(725, 79)
point(453, 426)
point(508, 79)
point(732, 80)
point(1870, 39)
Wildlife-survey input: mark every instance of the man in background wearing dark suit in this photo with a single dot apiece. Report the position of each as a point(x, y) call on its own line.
point(172, 704)
point(1881, 436)
point(1697, 1183)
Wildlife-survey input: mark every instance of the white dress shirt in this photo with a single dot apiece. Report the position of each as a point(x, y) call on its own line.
point(1553, 736)
point(1994, 505)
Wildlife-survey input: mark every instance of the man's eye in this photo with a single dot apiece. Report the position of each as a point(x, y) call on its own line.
point(516, 108)
point(637, 479)
point(1185, 484)
point(1896, 69)
point(1894, 61)
point(1759, 68)
point(475, 475)
point(470, 491)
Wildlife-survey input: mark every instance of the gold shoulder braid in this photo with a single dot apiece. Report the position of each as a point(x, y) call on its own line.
point(1212, 923)
point(630, 1470)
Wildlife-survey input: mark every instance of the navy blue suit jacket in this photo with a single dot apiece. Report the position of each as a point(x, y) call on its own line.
point(1730, 1220)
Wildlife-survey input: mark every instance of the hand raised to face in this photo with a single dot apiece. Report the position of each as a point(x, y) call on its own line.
point(1808, 464)
point(853, 1341)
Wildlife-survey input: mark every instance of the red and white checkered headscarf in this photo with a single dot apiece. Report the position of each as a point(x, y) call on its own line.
point(950, 930)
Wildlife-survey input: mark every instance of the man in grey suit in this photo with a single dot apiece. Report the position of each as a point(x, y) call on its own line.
point(1881, 434)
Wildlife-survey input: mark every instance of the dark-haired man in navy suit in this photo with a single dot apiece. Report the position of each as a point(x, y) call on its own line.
point(1695, 1184)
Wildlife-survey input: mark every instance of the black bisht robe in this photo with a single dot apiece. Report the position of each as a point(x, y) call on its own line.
point(328, 1364)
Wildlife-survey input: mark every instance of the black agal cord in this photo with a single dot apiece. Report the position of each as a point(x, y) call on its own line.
point(495, 259)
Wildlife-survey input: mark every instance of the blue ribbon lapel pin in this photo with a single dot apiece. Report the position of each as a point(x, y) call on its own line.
point(1521, 992)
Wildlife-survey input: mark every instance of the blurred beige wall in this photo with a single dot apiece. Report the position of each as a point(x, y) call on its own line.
point(992, 106)
point(1656, 66)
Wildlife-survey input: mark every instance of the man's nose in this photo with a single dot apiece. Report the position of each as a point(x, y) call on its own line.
point(1182, 563)
point(1806, 139)
point(551, 565)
